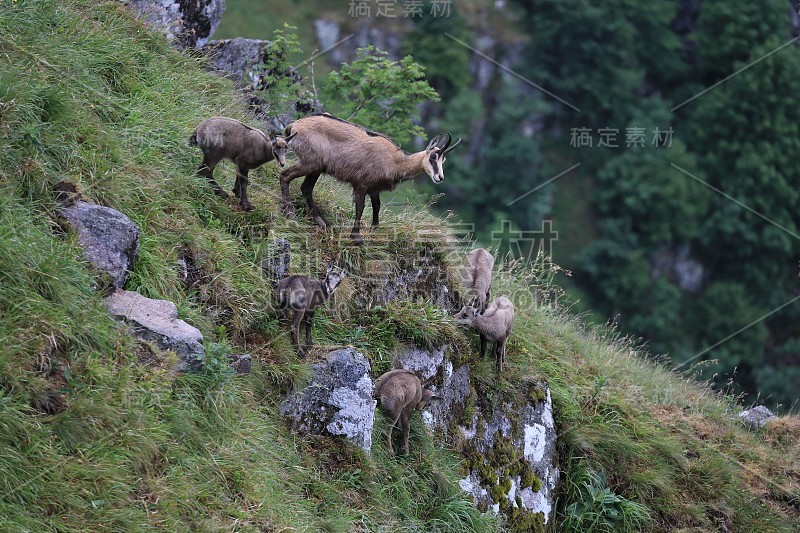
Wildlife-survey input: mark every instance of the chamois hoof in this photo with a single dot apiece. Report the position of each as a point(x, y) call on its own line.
point(320, 222)
point(289, 212)
point(247, 207)
point(222, 194)
point(357, 239)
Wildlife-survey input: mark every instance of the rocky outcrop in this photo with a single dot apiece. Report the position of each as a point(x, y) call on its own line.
point(187, 23)
point(276, 262)
point(756, 418)
point(157, 321)
point(509, 446)
point(337, 401)
point(244, 61)
point(677, 265)
point(422, 277)
point(109, 239)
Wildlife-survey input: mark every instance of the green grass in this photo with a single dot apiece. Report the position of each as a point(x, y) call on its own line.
point(97, 434)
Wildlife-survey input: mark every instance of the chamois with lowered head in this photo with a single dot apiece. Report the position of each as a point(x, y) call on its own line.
point(248, 148)
point(494, 325)
point(477, 277)
point(401, 393)
point(304, 295)
point(368, 161)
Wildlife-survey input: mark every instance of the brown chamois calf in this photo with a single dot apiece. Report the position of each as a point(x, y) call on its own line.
point(493, 325)
point(477, 277)
point(368, 161)
point(248, 148)
point(401, 393)
point(304, 295)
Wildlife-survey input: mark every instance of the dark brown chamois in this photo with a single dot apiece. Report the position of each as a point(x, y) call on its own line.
point(248, 148)
point(304, 295)
point(368, 161)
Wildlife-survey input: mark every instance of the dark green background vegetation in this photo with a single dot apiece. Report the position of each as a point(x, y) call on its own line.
point(627, 64)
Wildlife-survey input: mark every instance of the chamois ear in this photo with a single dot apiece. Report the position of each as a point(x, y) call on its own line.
point(344, 270)
point(330, 267)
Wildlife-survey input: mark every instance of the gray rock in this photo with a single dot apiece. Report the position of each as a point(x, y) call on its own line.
point(756, 418)
point(328, 34)
point(425, 363)
point(676, 263)
point(187, 23)
point(277, 260)
point(241, 363)
point(237, 59)
point(244, 61)
point(157, 321)
point(337, 401)
point(110, 240)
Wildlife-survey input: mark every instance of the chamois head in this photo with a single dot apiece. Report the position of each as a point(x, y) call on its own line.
point(334, 277)
point(280, 146)
point(427, 396)
point(436, 154)
point(466, 312)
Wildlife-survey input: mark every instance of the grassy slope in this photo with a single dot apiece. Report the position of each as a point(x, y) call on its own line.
point(92, 439)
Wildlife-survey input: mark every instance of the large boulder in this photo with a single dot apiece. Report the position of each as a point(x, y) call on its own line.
point(157, 321)
point(509, 446)
point(337, 401)
point(109, 239)
point(187, 23)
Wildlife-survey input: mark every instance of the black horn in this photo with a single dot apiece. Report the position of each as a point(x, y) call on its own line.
point(443, 146)
point(450, 149)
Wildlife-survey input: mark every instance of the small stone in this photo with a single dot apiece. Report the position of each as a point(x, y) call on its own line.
point(157, 321)
point(756, 418)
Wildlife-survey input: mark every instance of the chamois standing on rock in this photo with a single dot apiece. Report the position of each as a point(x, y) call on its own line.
point(368, 161)
point(477, 277)
point(304, 295)
point(401, 393)
point(248, 148)
point(493, 325)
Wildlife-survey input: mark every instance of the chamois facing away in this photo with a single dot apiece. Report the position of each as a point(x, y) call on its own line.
point(304, 295)
point(248, 148)
point(368, 161)
point(401, 393)
point(493, 325)
point(477, 277)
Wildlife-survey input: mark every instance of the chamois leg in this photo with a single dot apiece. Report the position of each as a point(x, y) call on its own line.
point(296, 320)
point(206, 169)
point(356, 233)
point(500, 354)
point(242, 181)
point(308, 321)
point(406, 425)
point(376, 207)
point(483, 344)
point(391, 427)
point(308, 191)
point(287, 175)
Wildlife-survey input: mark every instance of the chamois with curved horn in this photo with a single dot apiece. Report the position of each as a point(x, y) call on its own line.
point(370, 162)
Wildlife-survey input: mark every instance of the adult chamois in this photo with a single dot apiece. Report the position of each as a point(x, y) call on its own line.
point(370, 162)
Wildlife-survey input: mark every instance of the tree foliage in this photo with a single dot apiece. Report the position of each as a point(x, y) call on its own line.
point(380, 93)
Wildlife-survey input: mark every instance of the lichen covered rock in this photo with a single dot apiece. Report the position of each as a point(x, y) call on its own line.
point(509, 446)
point(756, 418)
point(337, 401)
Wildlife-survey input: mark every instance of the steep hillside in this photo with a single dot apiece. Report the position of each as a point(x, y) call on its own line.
point(97, 433)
